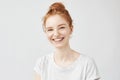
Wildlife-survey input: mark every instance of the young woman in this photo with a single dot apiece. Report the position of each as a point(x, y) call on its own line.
point(64, 63)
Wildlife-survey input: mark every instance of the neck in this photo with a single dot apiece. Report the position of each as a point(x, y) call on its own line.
point(63, 53)
point(65, 56)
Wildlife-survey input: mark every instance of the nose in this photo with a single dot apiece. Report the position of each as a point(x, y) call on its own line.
point(56, 33)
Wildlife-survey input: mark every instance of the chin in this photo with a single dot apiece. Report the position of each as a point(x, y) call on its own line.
point(58, 46)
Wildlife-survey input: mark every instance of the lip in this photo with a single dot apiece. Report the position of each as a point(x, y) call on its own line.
point(58, 39)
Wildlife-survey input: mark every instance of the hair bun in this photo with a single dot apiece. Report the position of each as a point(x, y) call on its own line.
point(57, 7)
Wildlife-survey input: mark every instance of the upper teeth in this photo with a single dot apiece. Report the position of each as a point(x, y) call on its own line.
point(57, 39)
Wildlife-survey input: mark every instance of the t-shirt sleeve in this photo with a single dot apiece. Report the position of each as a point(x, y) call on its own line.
point(92, 71)
point(38, 66)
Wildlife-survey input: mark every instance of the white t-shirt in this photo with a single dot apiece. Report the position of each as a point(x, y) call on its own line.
point(83, 68)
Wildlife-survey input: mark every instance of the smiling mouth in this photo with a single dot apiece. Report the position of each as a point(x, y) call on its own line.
point(58, 39)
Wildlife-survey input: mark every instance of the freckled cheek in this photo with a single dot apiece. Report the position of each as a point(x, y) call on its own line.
point(65, 33)
point(49, 36)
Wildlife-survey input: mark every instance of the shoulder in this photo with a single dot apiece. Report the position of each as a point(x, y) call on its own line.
point(42, 63)
point(44, 59)
point(90, 66)
point(87, 59)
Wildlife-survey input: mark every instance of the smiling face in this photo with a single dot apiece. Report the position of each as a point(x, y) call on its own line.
point(58, 31)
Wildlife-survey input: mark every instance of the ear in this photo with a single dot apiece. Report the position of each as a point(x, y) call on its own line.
point(71, 29)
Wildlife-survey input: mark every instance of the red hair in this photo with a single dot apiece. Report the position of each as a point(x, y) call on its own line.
point(58, 8)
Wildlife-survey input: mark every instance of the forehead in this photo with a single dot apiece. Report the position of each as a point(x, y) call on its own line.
point(55, 20)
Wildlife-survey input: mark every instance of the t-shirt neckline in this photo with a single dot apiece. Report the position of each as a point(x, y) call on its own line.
point(72, 65)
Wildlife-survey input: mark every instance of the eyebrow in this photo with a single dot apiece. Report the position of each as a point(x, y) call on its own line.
point(58, 25)
point(61, 24)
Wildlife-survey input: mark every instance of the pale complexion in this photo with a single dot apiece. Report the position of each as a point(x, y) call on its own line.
point(58, 32)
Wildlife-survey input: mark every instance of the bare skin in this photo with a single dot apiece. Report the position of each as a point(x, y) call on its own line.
point(58, 33)
point(65, 57)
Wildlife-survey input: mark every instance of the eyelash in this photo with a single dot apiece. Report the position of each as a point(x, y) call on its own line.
point(61, 27)
point(58, 28)
point(50, 30)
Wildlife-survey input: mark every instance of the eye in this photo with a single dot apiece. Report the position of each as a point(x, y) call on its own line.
point(62, 27)
point(49, 30)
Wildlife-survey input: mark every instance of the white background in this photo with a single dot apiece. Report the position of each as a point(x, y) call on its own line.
point(22, 40)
